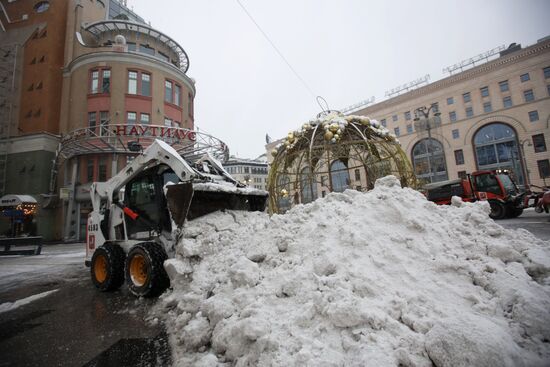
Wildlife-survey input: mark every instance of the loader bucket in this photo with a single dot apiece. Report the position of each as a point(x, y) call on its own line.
point(178, 198)
point(187, 204)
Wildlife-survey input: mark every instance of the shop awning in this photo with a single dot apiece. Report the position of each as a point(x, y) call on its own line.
point(13, 200)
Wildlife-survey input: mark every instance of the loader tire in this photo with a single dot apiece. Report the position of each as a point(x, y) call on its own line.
point(514, 212)
point(498, 211)
point(107, 267)
point(144, 270)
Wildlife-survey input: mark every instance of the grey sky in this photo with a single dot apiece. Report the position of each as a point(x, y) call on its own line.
point(345, 50)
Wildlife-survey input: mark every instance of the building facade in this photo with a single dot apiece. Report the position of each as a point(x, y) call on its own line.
point(251, 172)
point(493, 116)
point(81, 80)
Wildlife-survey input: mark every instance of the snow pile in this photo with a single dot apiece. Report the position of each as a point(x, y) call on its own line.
point(383, 278)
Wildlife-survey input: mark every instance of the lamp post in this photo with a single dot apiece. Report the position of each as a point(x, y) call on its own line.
point(526, 170)
point(423, 120)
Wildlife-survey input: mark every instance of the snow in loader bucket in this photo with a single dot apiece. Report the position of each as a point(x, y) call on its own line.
point(188, 201)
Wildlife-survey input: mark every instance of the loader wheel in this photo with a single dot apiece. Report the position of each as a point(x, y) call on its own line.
point(144, 270)
point(498, 211)
point(107, 267)
point(514, 212)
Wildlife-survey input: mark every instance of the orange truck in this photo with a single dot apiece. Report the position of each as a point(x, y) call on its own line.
point(496, 187)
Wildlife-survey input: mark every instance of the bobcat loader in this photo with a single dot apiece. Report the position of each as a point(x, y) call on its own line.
point(139, 213)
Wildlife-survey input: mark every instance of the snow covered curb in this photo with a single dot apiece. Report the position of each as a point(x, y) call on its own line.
point(9, 306)
point(378, 278)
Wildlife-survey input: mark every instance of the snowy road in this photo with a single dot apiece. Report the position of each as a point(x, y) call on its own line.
point(538, 224)
point(51, 315)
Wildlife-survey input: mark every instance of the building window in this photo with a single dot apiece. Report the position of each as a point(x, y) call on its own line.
point(507, 102)
point(145, 119)
point(528, 95)
point(100, 81)
point(466, 97)
point(484, 91)
point(462, 175)
point(546, 71)
point(383, 122)
point(103, 123)
point(544, 168)
point(167, 122)
point(539, 143)
point(409, 129)
point(90, 168)
point(394, 118)
point(456, 134)
point(524, 77)
point(429, 160)
point(139, 83)
point(487, 107)
point(168, 91)
point(496, 147)
point(452, 116)
point(396, 131)
point(533, 116)
point(102, 172)
point(163, 56)
point(145, 84)
point(548, 89)
point(94, 83)
point(145, 49)
point(132, 82)
point(503, 85)
point(469, 111)
point(131, 46)
point(408, 115)
point(357, 175)
point(92, 121)
point(131, 118)
point(339, 175)
point(41, 6)
point(450, 100)
point(106, 81)
point(459, 157)
point(308, 193)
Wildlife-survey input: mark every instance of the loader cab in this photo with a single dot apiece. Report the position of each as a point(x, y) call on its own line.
point(144, 195)
point(497, 184)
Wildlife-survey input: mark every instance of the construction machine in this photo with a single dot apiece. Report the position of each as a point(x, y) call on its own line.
point(494, 186)
point(139, 214)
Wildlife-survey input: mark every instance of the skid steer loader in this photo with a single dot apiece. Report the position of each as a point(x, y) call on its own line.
point(138, 214)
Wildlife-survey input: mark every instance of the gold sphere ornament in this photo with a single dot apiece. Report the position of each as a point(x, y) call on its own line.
point(365, 121)
point(284, 193)
point(274, 152)
point(334, 127)
point(328, 135)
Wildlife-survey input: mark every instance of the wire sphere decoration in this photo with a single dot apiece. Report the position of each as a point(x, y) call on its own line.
point(332, 153)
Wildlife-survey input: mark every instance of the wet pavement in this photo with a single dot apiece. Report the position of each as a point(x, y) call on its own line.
point(76, 325)
point(536, 223)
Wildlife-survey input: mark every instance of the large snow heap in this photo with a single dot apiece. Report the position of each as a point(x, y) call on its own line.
point(382, 278)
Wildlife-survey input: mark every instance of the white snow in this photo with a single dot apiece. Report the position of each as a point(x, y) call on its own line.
point(382, 278)
point(9, 306)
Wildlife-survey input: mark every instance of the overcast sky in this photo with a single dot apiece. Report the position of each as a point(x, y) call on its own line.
point(345, 50)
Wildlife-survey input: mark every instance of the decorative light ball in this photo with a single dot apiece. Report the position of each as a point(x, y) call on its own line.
point(336, 136)
point(328, 135)
point(284, 193)
point(287, 143)
point(365, 121)
point(333, 140)
point(339, 132)
point(120, 39)
point(334, 127)
point(274, 152)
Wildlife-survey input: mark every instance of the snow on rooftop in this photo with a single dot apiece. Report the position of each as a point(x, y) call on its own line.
point(382, 278)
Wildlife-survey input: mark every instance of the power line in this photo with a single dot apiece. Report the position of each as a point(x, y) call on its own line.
point(277, 50)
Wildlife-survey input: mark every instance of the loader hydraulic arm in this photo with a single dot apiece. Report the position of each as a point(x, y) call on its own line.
point(157, 153)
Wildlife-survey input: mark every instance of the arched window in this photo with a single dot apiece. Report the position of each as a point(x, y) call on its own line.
point(496, 147)
point(428, 159)
point(339, 176)
point(306, 185)
point(41, 6)
point(283, 183)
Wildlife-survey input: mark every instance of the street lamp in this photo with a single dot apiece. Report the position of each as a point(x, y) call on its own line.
point(423, 120)
point(522, 148)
